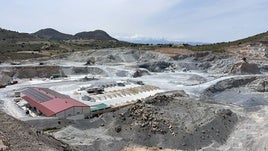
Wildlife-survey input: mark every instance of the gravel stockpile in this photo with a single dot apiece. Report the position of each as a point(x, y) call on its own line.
point(171, 121)
point(16, 135)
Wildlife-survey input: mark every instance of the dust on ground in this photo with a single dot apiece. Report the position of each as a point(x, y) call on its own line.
point(136, 148)
point(17, 135)
point(168, 120)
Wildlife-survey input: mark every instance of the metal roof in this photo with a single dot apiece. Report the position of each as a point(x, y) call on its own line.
point(49, 102)
point(99, 107)
point(36, 95)
point(54, 93)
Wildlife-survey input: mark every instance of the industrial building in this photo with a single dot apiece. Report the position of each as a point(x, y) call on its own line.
point(53, 104)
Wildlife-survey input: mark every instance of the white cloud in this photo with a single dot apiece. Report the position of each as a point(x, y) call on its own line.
point(206, 20)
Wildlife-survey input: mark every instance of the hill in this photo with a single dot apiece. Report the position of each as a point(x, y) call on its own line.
point(8, 35)
point(48, 42)
point(12, 42)
point(52, 34)
point(223, 46)
point(96, 35)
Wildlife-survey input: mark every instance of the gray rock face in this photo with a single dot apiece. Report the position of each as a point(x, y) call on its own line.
point(37, 71)
point(4, 79)
point(264, 68)
point(196, 79)
point(228, 84)
point(140, 72)
point(260, 85)
point(245, 68)
point(88, 70)
point(242, 91)
point(158, 66)
point(91, 61)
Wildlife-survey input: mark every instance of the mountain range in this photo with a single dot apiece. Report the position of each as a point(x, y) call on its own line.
point(50, 41)
point(53, 34)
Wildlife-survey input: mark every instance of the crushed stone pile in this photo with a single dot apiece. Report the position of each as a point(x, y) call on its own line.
point(167, 120)
point(17, 135)
point(177, 125)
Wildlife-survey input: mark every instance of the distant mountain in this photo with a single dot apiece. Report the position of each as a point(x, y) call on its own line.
point(158, 41)
point(8, 35)
point(47, 42)
point(147, 41)
point(52, 34)
point(97, 35)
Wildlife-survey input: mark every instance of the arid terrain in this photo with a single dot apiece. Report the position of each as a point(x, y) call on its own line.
point(193, 98)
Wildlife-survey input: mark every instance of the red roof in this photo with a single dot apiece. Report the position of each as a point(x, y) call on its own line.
point(53, 105)
point(58, 105)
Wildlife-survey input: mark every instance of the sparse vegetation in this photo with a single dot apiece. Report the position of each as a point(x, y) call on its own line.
point(49, 42)
point(218, 47)
point(221, 47)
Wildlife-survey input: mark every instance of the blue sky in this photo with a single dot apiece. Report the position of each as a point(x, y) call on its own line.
point(179, 20)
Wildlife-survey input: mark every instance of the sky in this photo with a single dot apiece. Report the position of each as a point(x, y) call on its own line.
point(174, 20)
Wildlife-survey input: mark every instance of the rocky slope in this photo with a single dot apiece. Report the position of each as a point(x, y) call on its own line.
point(8, 35)
point(52, 34)
point(169, 120)
point(16, 135)
point(95, 35)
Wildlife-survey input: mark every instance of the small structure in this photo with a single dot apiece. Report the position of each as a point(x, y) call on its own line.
point(97, 90)
point(140, 83)
point(99, 107)
point(17, 94)
point(88, 98)
point(51, 103)
point(121, 84)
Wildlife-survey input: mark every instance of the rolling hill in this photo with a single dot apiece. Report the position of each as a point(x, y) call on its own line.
point(223, 46)
point(8, 35)
point(96, 35)
point(47, 42)
point(52, 34)
point(12, 41)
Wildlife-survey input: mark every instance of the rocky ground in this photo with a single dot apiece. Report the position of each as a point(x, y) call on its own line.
point(169, 120)
point(17, 135)
point(224, 98)
point(135, 148)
